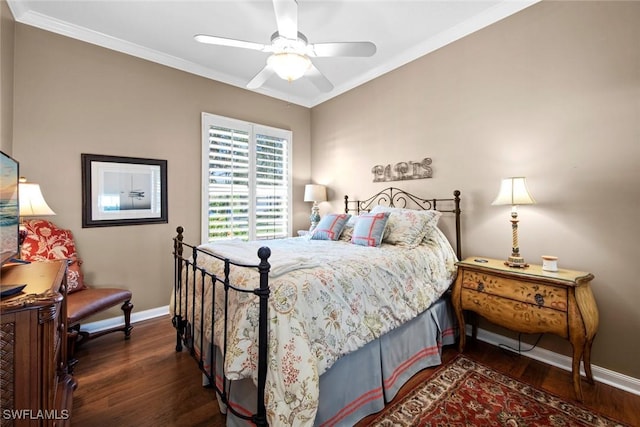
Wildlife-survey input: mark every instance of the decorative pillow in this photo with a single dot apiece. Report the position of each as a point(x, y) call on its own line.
point(45, 242)
point(347, 231)
point(330, 227)
point(407, 227)
point(369, 229)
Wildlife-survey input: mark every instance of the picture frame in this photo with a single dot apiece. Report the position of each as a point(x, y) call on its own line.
point(123, 191)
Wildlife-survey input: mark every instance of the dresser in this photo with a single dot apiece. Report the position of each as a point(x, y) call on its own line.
point(36, 387)
point(530, 300)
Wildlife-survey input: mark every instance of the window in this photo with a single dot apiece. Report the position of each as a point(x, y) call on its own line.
point(246, 180)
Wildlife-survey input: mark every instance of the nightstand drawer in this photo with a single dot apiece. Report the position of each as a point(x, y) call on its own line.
point(515, 315)
point(536, 294)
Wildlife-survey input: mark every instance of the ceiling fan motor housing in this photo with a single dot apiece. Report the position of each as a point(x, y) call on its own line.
point(282, 44)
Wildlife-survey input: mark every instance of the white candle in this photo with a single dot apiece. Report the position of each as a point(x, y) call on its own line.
point(549, 263)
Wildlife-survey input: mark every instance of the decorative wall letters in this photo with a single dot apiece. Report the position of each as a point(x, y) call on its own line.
point(402, 171)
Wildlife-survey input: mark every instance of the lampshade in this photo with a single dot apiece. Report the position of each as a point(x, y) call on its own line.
point(31, 201)
point(315, 193)
point(288, 65)
point(513, 191)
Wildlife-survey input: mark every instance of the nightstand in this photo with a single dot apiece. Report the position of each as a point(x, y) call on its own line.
point(530, 300)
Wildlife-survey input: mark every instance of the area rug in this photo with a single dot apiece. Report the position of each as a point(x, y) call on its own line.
point(467, 393)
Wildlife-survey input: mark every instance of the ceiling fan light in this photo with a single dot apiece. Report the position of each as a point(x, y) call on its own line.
point(289, 66)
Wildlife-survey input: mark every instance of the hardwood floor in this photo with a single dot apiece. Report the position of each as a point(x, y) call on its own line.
point(144, 382)
point(141, 382)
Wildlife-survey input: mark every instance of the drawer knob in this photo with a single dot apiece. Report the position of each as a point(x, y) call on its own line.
point(539, 299)
point(480, 286)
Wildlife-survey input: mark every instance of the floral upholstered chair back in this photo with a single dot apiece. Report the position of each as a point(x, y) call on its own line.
point(45, 242)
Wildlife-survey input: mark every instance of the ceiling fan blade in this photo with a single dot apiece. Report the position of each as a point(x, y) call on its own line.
point(318, 79)
point(287, 18)
point(342, 49)
point(221, 41)
point(260, 78)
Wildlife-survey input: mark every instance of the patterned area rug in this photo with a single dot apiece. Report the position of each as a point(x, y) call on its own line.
point(467, 393)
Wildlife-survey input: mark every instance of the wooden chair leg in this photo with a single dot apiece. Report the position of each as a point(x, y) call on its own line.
point(76, 337)
point(126, 308)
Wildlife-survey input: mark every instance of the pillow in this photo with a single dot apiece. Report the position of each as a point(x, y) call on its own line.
point(369, 229)
point(407, 227)
point(45, 242)
point(347, 231)
point(330, 227)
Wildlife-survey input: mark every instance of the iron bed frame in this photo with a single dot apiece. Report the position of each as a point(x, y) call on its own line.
point(188, 275)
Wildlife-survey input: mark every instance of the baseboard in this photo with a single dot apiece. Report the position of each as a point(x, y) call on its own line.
point(136, 316)
point(603, 375)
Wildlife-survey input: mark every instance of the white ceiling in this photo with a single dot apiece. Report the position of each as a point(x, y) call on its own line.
point(162, 31)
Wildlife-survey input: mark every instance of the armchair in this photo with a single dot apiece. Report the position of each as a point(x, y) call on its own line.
point(45, 241)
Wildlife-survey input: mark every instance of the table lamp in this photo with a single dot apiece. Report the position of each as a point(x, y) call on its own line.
point(31, 203)
point(514, 192)
point(315, 193)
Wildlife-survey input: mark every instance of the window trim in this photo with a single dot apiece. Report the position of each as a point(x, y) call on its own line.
point(208, 120)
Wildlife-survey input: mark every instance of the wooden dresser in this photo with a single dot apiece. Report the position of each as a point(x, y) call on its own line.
point(36, 387)
point(530, 300)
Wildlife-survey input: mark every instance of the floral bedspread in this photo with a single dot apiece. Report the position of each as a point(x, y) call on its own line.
point(328, 298)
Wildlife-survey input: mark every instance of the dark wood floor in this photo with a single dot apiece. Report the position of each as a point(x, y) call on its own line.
point(144, 382)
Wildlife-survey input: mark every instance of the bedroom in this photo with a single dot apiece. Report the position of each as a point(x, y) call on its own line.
point(550, 93)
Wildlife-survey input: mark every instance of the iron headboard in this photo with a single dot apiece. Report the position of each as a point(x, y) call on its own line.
point(395, 197)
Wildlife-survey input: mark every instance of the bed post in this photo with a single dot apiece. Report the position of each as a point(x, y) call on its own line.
point(177, 255)
point(456, 198)
point(260, 418)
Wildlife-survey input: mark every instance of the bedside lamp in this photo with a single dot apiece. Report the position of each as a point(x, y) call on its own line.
point(514, 192)
point(315, 193)
point(31, 203)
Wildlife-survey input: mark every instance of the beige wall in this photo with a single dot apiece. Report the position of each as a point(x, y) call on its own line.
point(73, 97)
point(551, 93)
point(7, 25)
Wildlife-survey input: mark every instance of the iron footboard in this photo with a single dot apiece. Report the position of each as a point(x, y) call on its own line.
point(189, 277)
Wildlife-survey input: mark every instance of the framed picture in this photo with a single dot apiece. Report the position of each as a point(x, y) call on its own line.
point(123, 191)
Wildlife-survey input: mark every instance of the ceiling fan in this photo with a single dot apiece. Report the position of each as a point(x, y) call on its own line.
point(291, 51)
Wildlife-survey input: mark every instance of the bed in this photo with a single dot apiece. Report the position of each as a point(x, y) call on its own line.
point(319, 330)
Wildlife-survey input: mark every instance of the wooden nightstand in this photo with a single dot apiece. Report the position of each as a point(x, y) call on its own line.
point(530, 300)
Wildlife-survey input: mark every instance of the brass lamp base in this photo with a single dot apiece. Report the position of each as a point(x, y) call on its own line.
point(516, 261)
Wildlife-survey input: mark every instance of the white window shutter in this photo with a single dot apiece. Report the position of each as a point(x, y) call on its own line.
point(246, 180)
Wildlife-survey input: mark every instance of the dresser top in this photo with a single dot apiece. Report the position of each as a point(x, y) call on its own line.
point(42, 280)
point(533, 271)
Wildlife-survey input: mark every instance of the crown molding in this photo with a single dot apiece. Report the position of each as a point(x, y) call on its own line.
point(490, 16)
point(76, 32)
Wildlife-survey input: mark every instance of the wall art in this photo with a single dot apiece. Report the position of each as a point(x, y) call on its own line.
point(402, 171)
point(123, 191)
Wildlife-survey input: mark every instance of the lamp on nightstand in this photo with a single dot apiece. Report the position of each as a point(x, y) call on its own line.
point(514, 192)
point(315, 193)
